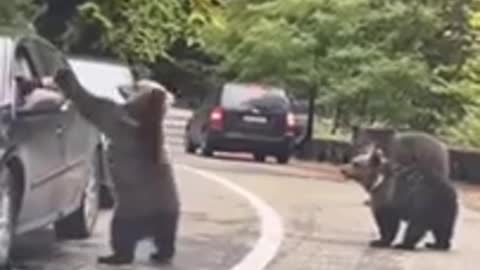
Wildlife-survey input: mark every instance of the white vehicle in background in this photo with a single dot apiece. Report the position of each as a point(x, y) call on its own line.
point(103, 78)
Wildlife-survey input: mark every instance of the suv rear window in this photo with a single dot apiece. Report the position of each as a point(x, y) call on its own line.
point(244, 96)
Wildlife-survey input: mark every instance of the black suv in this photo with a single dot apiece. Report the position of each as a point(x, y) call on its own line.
point(243, 118)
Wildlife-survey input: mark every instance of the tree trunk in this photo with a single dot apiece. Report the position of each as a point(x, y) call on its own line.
point(311, 115)
point(336, 119)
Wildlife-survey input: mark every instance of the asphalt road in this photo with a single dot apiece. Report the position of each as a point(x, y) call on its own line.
point(324, 224)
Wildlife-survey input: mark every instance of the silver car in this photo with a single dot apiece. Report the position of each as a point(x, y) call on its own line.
point(48, 152)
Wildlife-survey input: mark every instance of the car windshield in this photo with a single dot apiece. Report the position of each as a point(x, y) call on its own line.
point(239, 96)
point(102, 78)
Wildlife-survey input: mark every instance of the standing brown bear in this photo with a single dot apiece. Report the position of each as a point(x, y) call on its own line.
point(147, 203)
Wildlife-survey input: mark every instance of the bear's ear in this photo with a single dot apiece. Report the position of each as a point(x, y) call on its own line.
point(377, 157)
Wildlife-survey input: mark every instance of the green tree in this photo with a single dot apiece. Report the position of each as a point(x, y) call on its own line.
point(141, 30)
point(169, 44)
point(369, 61)
point(467, 132)
point(16, 13)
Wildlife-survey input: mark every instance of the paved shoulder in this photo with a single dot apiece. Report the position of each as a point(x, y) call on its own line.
point(217, 229)
point(329, 227)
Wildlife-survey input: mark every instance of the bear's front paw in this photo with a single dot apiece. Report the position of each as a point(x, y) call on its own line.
point(379, 243)
point(404, 246)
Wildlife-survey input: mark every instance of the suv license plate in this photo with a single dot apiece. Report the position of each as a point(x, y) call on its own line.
point(255, 119)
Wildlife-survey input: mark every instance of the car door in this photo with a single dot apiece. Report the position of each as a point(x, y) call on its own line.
point(76, 137)
point(37, 134)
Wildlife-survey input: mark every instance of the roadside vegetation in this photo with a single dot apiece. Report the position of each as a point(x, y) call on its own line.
point(398, 63)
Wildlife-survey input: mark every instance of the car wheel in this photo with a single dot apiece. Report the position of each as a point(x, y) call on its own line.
point(107, 200)
point(81, 222)
point(283, 158)
point(106, 197)
point(259, 157)
point(189, 146)
point(207, 151)
point(8, 213)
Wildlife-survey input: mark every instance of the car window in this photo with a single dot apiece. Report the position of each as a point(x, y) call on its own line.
point(22, 65)
point(92, 74)
point(49, 59)
point(242, 96)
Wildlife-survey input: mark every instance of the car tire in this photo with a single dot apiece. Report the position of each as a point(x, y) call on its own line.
point(80, 223)
point(283, 158)
point(206, 149)
point(189, 146)
point(207, 152)
point(9, 202)
point(107, 200)
point(259, 157)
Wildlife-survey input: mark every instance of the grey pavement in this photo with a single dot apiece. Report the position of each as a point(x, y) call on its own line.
point(209, 236)
point(328, 227)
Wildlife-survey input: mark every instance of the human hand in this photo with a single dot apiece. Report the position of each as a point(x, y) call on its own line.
point(49, 82)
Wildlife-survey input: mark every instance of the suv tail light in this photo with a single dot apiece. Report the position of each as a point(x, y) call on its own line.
point(290, 121)
point(216, 118)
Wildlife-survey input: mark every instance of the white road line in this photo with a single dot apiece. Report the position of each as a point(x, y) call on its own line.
point(271, 231)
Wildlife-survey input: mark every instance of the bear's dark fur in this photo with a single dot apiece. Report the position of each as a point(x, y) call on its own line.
point(408, 148)
point(147, 202)
point(422, 150)
point(424, 200)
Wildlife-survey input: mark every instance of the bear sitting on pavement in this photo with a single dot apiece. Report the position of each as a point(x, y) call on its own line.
point(425, 200)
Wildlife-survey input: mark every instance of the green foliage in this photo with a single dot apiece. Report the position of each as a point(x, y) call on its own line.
point(392, 62)
point(16, 13)
point(144, 30)
point(467, 132)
